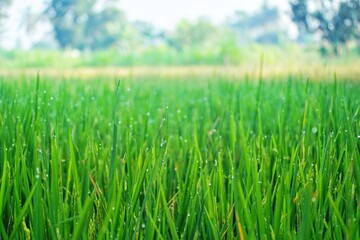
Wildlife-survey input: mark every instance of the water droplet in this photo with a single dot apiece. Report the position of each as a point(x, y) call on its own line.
point(314, 130)
point(163, 142)
point(143, 226)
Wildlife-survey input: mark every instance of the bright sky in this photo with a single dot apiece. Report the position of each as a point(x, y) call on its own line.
point(163, 14)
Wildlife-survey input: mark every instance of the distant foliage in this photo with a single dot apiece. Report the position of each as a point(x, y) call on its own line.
point(3, 5)
point(262, 26)
point(337, 22)
point(83, 24)
point(192, 34)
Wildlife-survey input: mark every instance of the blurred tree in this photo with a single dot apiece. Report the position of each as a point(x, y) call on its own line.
point(68, 18)
point(148, 33)
point(85, 24)
point(261, 26)
point(187, 34)
point(266, 14)
point(103, 28)
point(3, 5)
point(337, 22)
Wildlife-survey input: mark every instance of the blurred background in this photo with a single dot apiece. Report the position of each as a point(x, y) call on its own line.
point(88, 33)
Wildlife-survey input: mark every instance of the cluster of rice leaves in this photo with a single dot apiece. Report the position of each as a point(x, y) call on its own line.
point(179, 159)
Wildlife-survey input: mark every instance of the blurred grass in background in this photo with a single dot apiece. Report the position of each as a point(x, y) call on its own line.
point(225, 54)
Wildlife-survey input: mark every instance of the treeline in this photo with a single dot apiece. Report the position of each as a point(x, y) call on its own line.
point(94, 25)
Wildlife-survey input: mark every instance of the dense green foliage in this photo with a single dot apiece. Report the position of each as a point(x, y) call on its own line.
point(224, 53)
point(179, 158)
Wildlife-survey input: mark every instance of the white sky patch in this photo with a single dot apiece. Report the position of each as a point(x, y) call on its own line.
point(166, 13)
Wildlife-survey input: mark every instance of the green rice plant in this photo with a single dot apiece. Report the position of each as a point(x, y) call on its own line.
point(170, 158)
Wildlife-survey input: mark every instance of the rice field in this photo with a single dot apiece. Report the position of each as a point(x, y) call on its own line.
point(173, 158)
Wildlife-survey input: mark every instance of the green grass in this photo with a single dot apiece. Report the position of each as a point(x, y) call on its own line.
point(226, 53)
point(179, 159)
